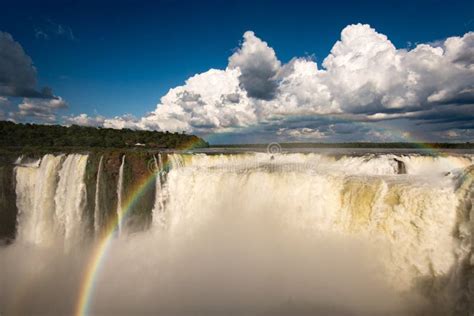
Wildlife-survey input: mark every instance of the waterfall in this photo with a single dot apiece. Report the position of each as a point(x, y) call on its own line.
point(70, 199)
point(177, 161)
point(158, 208)
point(251, 230)
point(409, 215)
point(161, 166)
point(97, 211)
point(119, 195)
point(35, 189)
point(51, 198)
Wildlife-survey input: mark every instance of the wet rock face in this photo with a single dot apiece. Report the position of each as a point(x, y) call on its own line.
point(139, 186)
point(136, 172)
point(8, 209)
point(401, 167)
point(101, 200)
point(108, 185)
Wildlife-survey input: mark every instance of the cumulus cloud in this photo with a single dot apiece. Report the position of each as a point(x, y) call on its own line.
point(367, 74)
point(84, 120)
point(461, 49)
point(120, 122)
point(213, 100)
point(43, 110)
point(17, 73)
point(365, 81)
point(258, 67)
point(302, 133)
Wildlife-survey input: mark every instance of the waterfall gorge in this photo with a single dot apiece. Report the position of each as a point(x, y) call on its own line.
point(251, 233)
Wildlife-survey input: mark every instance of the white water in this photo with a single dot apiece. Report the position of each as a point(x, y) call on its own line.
point(97, 210)
point(292, 234)
point(51, 200)
point(159, 207)
point(70, 199)
point(36, 188)
point(120, 195)
point(409, 218)
point(408, 221)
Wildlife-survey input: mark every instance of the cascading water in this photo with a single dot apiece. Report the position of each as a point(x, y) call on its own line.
point(36, 188)
point(158, 207)
point(51, 199)
point(70, 199)
point(120, 195)
point(97, 211)
point(409, 218)
point(258, 233)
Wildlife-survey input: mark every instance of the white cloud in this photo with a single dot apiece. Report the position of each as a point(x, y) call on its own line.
point(451, 134)
point(258, 67)
point(124, 121)
point(461, 49)
point(367, 74)
point(84, 120)
point(302, 91)
point(302, 133)
point(364, 78)
point(43, 110)
point(212, 100)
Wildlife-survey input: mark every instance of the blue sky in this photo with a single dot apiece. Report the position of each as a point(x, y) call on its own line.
point(113, 59)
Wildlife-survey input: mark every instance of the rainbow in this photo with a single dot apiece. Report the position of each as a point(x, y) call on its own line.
point(103, 243)
point(100, 249)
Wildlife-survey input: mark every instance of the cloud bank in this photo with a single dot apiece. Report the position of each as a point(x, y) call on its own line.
point(18, 78)
point(17, 73)
point(363, 84)
point(366, 89)
point(42, 109)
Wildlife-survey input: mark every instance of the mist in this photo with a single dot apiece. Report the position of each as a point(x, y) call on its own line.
point(238, 268)
point(237, 235)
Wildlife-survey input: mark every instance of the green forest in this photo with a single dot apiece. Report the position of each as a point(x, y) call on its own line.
point(14, 135)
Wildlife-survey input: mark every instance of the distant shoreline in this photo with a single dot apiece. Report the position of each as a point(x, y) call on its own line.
point(391, 145)
point(334, 151)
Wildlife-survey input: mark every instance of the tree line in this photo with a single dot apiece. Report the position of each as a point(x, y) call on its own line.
point(35, 135)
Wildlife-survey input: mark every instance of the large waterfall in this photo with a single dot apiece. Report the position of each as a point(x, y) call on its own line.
point(51, 199)
point(374, 234)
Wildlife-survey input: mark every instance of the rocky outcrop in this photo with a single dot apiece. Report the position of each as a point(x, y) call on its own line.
point(8, 209)
point(101, 200)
